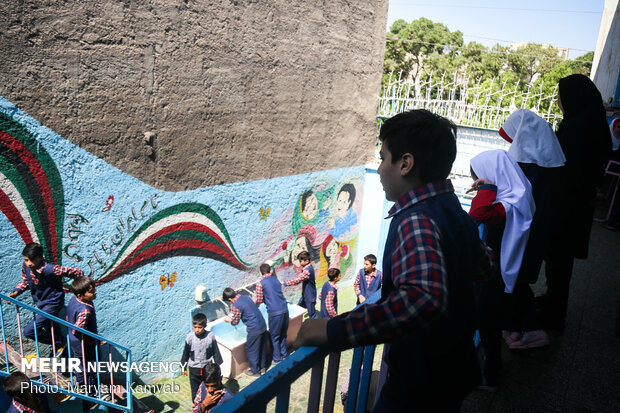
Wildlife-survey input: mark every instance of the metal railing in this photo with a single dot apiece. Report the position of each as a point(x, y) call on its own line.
point(54, 382)
point(276, 383)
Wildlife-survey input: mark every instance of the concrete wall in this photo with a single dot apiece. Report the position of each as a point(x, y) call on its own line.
point(188, 93)
point(606, 65)
point(147, 248)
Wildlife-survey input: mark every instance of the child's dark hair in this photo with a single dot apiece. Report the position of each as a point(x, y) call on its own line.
point(81, 285)
point(430, 138)
point(333, 273)
point(265, 268)
point(350, 188)
point(228, 294)
point(211, 373)
point(18, 386)
point(371, 259)
point(304, 198)
point(199, 318)
point(304, 255)
point(33, 251)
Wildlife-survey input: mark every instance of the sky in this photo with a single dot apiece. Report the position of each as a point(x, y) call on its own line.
point(561, 23)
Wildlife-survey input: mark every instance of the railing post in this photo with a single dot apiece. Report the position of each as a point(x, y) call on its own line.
point(314, 395)
point(19, 331)
point(6, 348)
point(362, 398)
point(331, 382)
point(282, 400)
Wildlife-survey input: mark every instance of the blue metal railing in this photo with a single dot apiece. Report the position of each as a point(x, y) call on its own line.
point(276, 383)
point(55, 388)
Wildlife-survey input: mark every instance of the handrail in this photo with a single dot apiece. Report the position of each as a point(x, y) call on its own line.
point(55, 387)
point(277, 381)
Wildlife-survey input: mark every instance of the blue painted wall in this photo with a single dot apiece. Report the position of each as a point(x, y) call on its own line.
point(147, 308)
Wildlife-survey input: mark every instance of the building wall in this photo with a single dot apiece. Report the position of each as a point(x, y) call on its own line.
point(188, 93)
point(606, 65)
point(148, 248)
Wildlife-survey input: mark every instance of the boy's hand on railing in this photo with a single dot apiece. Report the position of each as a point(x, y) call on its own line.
point(313, 332)
point(12, 295)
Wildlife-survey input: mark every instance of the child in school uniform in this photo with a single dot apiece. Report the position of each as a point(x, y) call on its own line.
point(368, 279)
point(244, 309)
point(308, 284)
point(18, 387)
point(81, 313)
point(432, 257)
point(269, 290)
point(44, 280)
point(505, 205)
point(329, 294)
point(211, 392)
point(200, 348)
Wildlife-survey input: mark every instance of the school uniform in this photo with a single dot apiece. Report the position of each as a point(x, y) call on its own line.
point(308, 289)
point(363, 287)
point(269, 290)
point(432, 363)
point(245, 309)
point(45, 285)
point(82, 314)
point(202, 393)
point(329, 300)
point(198, 351)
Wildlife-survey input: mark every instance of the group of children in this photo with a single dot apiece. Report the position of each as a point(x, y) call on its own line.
point(201, 349)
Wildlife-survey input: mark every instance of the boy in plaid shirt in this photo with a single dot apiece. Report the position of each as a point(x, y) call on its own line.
point(432, 257)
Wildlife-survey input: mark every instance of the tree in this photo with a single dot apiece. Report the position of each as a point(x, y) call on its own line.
point(411, 46)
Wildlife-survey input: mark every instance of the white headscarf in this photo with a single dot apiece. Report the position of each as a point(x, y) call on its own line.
point(515, 193)
point(533, 140)
point(615, 139)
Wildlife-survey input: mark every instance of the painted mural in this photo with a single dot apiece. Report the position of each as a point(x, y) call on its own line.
point(149, 249)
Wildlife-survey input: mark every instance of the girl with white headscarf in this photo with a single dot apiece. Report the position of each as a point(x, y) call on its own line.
point(504, 204)
point(539, 154)
point(498, 173)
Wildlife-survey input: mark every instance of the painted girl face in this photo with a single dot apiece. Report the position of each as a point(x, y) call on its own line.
point(311, 208)
point(300, 245)
point(342, 204)
point(332, 249)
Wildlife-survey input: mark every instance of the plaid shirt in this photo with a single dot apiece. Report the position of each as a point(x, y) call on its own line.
point(329, 301)
point(69, 272)
point(198, 400)
point(259, 290)
point(236, 313)
point(304, 275)
point(82, 317)
point(419, 276)
point(369, 277)
point(21, 408)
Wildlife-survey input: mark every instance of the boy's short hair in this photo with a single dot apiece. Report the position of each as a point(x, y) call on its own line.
point(33, 250)
point(371, 259)
point(13, 383)
point(18, 386)
point(304, 198)
point(228, 294)
point(430, 138)
point(211, 373)
point(350, 189)
point(265, 268)
point(304, 255)
point(81, 285)
point(199, 318)
point(333, 273)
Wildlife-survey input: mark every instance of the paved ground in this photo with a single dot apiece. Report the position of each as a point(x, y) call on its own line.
point(579, 372)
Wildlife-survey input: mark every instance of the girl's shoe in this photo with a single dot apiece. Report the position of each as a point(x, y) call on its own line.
point(511, 336)
point(531, 339)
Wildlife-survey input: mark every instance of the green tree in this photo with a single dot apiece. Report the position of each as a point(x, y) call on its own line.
point(532, 59)
point(411, 48)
